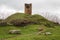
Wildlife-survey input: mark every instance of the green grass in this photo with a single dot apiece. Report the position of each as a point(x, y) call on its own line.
point(29, 32)
point(16, 16)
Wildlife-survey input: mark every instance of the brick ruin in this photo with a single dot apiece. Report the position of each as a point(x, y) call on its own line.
point(28, 8)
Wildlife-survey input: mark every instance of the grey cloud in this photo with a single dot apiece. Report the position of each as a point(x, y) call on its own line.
point(42, 5)
point(52, 6)
point(13, 3)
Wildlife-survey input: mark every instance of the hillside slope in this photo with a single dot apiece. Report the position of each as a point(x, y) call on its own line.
point(30, 32)
point(34, 18)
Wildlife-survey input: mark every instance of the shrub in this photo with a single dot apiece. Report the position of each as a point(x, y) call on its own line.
point(49, 24)
point(3, 23)
point(20, 22)
point(36, 19)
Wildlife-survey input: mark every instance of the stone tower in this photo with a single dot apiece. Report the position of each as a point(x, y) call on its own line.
point(28, 8)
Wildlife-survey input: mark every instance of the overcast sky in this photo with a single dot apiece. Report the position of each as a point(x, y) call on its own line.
point(38, 5)
point(49, 8)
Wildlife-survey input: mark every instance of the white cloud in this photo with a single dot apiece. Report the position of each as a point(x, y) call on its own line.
point(39, 7)
point(6, 11)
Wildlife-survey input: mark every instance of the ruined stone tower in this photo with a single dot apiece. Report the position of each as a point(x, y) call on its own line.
point(28, 8)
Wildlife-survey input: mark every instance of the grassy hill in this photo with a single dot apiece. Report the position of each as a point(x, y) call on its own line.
point(31, 32)
point(24, 16)
point(34, 18)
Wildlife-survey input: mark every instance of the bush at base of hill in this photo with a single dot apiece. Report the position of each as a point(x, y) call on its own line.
point(2, 23)
point(20, 22)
